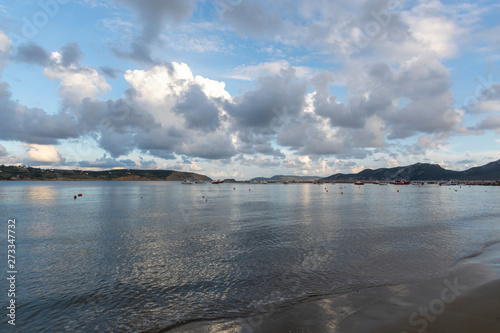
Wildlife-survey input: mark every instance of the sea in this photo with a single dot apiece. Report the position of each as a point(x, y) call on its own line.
point(154, 256)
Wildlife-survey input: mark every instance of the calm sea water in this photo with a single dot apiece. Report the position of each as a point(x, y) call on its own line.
point(148, 256)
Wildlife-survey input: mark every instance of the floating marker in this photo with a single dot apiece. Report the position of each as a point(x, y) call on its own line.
point(398, 190)
point(80, 195)
point(341, 192)
point(75, 196)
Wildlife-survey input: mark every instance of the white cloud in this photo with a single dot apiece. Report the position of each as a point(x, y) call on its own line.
point(436, 34)
point(392, 163)
point(426, 142)
point(42, 153)
point(5, 47)
point(489, 106)
point(160, 84)
point(76, 82)
point(5, 43)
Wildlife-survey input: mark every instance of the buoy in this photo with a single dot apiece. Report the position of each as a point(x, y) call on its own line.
point(203, 197)
point(456, 190)
point(398, 190)
point(327, 190)
point(234, 188)
point(75, 196)
point(249, 189)
point(141, 196)
point(80, 195)
point(341, 192)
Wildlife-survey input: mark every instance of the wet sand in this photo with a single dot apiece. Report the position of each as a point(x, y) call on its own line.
point(466, 300)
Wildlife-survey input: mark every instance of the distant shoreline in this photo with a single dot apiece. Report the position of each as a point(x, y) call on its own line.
point(16, 173)
point(350, 182)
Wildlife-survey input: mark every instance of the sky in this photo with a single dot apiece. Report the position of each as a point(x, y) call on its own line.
point(247, 88)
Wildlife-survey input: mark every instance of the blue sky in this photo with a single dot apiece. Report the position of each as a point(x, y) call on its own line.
point(246, 88)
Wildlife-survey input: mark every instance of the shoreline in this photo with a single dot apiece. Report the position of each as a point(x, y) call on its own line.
point(467, 299)
point(141, 179)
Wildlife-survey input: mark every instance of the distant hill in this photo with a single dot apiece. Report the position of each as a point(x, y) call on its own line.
point(422, 171)
point(29, 173)
point(285, 178)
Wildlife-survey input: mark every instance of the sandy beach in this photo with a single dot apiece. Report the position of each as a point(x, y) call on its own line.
point(466, 300)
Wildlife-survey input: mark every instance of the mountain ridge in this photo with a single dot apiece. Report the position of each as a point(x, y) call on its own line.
point(285, 178)
point(421, 172)
point(29, 173)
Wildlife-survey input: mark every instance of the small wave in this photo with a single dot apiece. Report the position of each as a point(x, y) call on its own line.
point(478, 252)
point(266, 307)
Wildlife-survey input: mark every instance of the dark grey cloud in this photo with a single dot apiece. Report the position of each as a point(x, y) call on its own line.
point(466, 162)
point(352, 115)
point(490, 93)
point(71, 54)
point(294, 134)
point(116, 143)
point(3, 151)
point(153, 15)
point(110, 72)
point(106, 163)
point(272, 98)
point(33, 54)
point(422, 88)
point(429, 109)
point(146, 164)
point(489, 123)
point(122, 126)
point(160, 141)
point(258, 162)
point(211, 146)
point(252, 18)
point(257, 115)
point(33, 125)
point(198, 110)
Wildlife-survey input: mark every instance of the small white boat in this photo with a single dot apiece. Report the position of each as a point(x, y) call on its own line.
point(187, 182)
